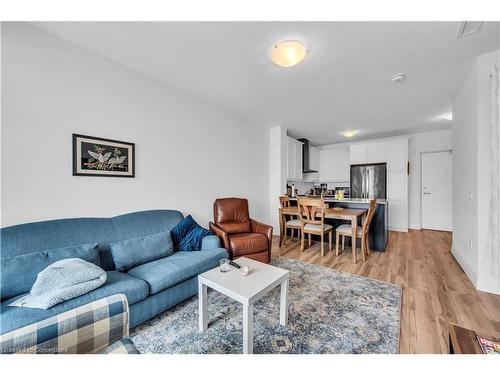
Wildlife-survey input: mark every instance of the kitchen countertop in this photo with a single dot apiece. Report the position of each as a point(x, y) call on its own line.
point(346, 200)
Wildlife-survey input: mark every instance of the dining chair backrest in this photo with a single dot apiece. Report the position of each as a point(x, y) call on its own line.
point(369, 216)
point(284, 201)
point(308, 209)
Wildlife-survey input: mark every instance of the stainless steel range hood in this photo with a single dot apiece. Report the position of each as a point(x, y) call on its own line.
point(305, 156)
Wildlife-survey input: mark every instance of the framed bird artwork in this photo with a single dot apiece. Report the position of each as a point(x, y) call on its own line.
point(93, 156)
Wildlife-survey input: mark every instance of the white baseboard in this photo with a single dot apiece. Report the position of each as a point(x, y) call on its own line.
point(468, 271)
point(396, 229)
point(415, 227)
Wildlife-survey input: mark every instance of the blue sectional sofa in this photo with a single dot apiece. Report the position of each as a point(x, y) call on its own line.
point(150, 288)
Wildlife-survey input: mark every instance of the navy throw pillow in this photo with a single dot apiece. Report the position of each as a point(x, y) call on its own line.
point(188, 235)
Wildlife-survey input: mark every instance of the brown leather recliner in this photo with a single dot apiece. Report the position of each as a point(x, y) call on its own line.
point(239, 234)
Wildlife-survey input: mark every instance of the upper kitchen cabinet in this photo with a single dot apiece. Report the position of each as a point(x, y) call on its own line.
point(358, 154)
point(368, 153)
point(294, 159)
point(397, 154)
point(376, 152)
point(334, 165)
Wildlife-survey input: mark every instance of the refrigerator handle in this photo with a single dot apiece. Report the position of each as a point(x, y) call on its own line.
point(365, 185)
point(368, 184)
point(362, 182)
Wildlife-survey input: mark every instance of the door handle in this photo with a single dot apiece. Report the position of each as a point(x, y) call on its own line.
point(426, 193)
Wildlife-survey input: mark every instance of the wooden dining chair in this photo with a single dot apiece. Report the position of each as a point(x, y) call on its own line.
point(362, 232)
point(290, 222)
point(312, 218)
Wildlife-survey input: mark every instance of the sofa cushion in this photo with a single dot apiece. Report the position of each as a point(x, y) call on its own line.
point(15, 317)
point(136, 251)
point(248, 243)
point(210, 242)
point(164, 273)
point(19, 272)
point(188, 235)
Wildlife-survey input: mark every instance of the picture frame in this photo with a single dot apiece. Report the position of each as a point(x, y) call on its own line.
point(102, 157)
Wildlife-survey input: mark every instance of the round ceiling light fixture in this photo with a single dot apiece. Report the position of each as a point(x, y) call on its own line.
point(349, 133)
point(398, 78)
point(288, 53)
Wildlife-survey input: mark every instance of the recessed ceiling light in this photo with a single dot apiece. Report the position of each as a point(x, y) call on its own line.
point(288, 53)
point(398, 78)
point(349, 133)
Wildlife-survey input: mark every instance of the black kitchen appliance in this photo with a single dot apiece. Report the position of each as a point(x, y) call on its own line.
point(305, 156)
point(369, 181)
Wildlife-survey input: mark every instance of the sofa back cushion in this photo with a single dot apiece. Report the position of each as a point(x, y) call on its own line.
point(53, 234)
point(136, 251)
point(231, 215)
point(19, 272)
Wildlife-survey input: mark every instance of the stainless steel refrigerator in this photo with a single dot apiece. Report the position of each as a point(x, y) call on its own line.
point(369, 181)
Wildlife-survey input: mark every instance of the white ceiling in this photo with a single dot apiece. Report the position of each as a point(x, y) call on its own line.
point(344, 82)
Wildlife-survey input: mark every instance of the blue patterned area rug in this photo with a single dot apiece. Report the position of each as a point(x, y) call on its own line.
point(330, 312)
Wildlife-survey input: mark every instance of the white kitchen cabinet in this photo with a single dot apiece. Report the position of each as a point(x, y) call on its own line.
point(368, 153)
point(294, 159)
point(398, 215)
point(343, 170)
point(358, 154)
point(397, 184)
point(397, 154)
point(376, 152)
point(290, 158)
point(327, 165)
point(334, 165)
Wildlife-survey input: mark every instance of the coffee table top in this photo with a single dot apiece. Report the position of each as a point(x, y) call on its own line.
point(245, 289)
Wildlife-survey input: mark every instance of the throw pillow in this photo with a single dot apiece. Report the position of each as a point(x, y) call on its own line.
point(136, 251)
point(188, 235)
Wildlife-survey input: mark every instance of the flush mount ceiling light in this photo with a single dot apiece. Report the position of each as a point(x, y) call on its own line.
point(288, 53)
point(349, 133)
point(398, 78)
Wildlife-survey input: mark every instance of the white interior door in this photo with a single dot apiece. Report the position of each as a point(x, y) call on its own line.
point(436, 191)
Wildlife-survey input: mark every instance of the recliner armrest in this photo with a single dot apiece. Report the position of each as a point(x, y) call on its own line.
point(221, 234)
point(210, 242)
point(258, 227)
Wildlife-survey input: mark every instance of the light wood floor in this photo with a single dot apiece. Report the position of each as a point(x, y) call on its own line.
point(435, 290)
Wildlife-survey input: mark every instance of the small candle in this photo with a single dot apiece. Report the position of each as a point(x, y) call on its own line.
point(244, 270)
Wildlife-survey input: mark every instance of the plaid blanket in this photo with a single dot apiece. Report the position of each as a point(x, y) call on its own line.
point(89, 328)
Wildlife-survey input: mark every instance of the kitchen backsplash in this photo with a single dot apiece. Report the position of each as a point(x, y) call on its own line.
point(303, 187)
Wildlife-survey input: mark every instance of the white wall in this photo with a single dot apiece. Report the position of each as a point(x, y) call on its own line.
point(188, 154)
point(471, 175)
point(419, 143)
point(277, 173)
point(488, 264)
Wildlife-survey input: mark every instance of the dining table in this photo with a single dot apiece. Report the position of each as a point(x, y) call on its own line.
point(339, 213)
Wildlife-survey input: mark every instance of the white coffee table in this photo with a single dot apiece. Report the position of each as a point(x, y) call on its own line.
point(246, 290)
